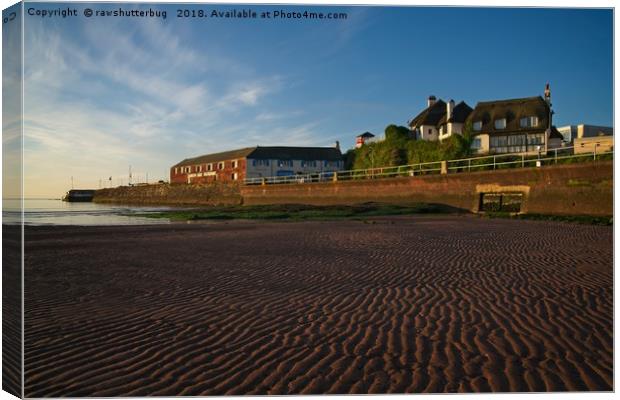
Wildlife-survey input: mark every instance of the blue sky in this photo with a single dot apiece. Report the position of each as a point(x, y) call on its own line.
point(105, 93)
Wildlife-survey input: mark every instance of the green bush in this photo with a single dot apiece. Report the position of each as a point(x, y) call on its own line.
point(399, 148)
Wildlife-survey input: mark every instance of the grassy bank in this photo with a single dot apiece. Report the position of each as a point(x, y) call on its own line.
point(299, 212)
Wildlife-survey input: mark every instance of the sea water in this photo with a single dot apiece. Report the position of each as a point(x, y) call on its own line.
point(58, 212)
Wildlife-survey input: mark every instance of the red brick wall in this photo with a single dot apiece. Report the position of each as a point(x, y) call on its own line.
point(223, 175)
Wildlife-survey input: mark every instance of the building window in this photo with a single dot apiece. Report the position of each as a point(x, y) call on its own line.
point(235, 163)
point(220, 165)
point(477, 126)
point(335, 164)
point(234, 176)
point(260, 163)
point(175, 171)
point(209, 167)
point(476, 144)
point(308, 164)
point(200, 168)
point(500, 123)
point(537, 139)
point(285, 163)
point(508, 144)
point(498, 144)
point(528, 122)
point(516, 144)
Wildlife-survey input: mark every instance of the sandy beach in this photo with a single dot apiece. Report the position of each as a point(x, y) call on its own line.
point(393, 305)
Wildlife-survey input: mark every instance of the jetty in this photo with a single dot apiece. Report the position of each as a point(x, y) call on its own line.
point(79, 195)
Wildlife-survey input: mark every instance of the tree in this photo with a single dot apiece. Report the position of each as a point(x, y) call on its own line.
point(396, 134)
point(468, 135)
point(456, 146)
point(349, 159)
point(398, 156)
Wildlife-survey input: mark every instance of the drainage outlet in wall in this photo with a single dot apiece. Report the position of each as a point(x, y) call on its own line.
point(500, 202)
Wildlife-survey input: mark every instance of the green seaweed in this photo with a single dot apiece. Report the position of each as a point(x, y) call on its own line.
point(577, 219)
point(298, 212)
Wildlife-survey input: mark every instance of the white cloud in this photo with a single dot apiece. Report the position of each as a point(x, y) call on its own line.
point(250, 96)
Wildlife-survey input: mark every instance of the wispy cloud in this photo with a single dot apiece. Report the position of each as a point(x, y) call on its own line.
point(118, 96)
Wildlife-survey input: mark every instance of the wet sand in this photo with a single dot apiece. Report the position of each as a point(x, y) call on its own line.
point(400, 305)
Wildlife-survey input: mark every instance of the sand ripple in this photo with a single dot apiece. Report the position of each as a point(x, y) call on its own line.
point(433, 304)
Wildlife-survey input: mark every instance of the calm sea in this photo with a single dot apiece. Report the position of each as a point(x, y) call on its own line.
point(57, 212)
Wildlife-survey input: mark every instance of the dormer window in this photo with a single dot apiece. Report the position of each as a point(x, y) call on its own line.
point(477, 126)
point(500, 123)
point(528, 122)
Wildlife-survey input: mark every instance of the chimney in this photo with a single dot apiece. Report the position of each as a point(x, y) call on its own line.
point(449, 109)
point(549, 123)
point(337, 145)
point(548, 94)
point(431, 100)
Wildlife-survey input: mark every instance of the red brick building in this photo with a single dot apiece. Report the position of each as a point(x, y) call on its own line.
point(257, 162)
point(225, 166)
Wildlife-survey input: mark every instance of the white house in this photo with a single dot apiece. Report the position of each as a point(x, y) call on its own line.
point(439, 120)
point(515, 126)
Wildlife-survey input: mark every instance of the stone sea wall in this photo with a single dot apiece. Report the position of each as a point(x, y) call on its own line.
point(568, 189)
point(176, 194)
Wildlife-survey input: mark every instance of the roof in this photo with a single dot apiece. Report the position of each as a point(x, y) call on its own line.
point(268, 152)
point(555, 133)
point(296, 153)
point(430, 115)
point(216, 157)
point(366, 135)
point(513, 110)
point(459, 114)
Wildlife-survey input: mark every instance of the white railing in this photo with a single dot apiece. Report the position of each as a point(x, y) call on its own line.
point(488, 162)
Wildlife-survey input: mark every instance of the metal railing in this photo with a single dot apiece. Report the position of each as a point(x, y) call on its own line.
point(488, 162)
